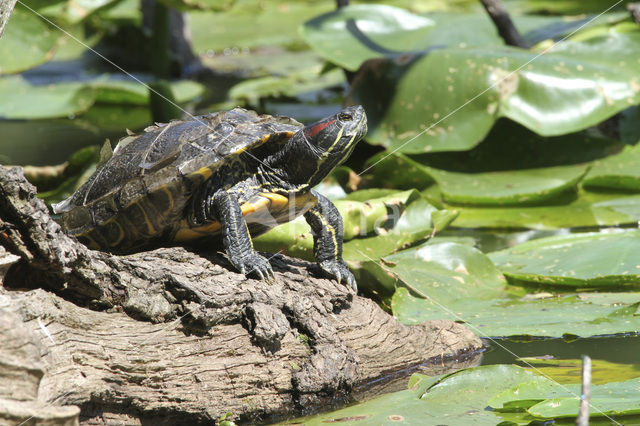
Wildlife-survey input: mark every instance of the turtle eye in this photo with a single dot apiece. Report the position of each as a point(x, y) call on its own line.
point(343, 116)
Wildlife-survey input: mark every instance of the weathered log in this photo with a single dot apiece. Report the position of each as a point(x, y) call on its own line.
point(177, 337)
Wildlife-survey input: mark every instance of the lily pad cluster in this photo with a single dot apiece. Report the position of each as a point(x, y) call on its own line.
point(490, 395)
point(46, 62)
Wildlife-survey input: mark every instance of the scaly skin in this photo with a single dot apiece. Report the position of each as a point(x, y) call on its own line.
point(307, 158)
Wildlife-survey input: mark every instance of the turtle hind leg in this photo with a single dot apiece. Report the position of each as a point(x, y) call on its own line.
point(236, 237)
point(326, 224)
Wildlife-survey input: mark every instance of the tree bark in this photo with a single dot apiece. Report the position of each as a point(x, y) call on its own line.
point(176, 337)
point(503, 23)
point(6, 7)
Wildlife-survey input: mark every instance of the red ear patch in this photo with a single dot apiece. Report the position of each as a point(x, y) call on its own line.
point(314, 130)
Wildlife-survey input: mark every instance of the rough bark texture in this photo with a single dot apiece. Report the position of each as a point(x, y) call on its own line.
point(6, 7)
point(176, 337)
point(503, 23)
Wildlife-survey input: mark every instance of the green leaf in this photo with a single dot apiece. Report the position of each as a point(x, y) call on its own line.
point(588, 209)
point(110, 89)
point(22, 100)
point(351, 35)
point(26, 43)
point(546, 399)
point(446, 272)
point(621, 171)
point(216, 5)
point(574, 86)
point(456, 399)
point(72, 12)
point(291, 85)
point(516, 187)
point(252, 24)
point(529, 316)
point(587, 260)
point(570, 370)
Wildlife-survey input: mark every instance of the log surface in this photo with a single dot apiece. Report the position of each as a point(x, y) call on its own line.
point(172, 336)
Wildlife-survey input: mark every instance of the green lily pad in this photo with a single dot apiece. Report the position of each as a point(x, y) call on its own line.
point(516, 187)
point(588, 260)
point(562, 91)
point(292, 85)
point(570, 370)
point(445, 272)
point(252, 24)
point(621, 171)
point(21, 100)
point(587, 209)
point(72, 12)
point(544, 398)
point(118, 91)
point(351, 35)
point(216, 5)
point(456, 399)
point(26, 42)
point(562, 316)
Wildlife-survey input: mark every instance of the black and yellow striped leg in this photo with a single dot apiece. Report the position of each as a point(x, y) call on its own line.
point(326, 224)
point(236, 237)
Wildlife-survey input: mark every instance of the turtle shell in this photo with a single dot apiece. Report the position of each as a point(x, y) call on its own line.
point(140, 194)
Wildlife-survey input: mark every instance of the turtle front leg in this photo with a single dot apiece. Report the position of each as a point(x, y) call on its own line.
point(236, 237)
point(326, 223)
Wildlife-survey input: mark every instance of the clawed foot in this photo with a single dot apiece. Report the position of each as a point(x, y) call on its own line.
point(256, 264)
point(339, 271)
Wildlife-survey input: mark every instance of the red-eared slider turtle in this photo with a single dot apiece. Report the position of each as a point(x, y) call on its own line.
point(233, 173)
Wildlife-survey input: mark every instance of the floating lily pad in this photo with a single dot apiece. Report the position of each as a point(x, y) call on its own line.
point(563, 91)
point(561, 316)
point(570, 370)
point(26, 42)
point(119, 91)
point(292, 85)
point(621, 171)
point(456, 399)
point(585, 260)
point(252, 24)
point(351, 35)
point(445, 272)
point(72, 12)
point(546, 399)
point(21, 100)
point(588, 209)
point(516, 187)
point(472, 82)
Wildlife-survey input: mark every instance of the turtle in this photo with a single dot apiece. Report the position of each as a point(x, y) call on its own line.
point(221, 177)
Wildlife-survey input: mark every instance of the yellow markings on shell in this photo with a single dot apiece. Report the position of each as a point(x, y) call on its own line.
point(150, 228)
point(331, 230)
point(277, 201)
point(120, 236)
point(205, 172)
point(187, 233)
point(170, 196)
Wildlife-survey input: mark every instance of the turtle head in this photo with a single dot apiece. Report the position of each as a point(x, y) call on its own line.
point(318, 148)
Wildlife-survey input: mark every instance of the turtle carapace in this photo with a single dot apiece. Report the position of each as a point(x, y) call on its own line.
point(231, 174)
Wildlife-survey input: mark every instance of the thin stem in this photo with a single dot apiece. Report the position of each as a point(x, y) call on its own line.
point(585, 397)
point(6, 7)
point(503, 22)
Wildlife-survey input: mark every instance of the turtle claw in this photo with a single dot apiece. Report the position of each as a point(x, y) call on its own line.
point(338, 270)
point(254, 263)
